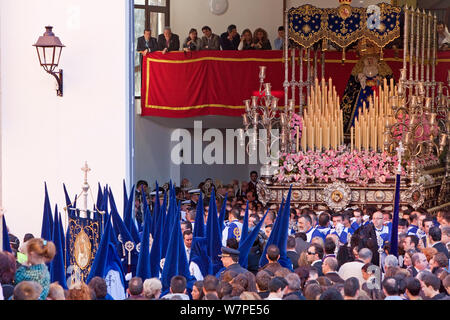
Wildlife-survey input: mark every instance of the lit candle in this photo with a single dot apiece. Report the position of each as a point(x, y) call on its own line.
point(320, 138)
point(351, 138)
point(298, 136)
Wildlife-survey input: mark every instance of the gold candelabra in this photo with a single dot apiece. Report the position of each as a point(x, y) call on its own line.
point(416, 125)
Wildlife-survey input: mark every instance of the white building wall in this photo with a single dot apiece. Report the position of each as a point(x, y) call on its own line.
point(48, 138)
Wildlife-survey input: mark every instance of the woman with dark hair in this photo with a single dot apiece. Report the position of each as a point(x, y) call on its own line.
point(344, 255)
point(192, 42)
point(260, 40)
point(246, 40)
point(197, 291)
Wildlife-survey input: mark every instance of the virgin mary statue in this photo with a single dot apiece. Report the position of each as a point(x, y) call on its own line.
point(366, 76)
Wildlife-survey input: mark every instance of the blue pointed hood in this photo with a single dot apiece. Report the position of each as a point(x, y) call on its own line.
point(199, 224)
point(143, 264)
point(99, 196)
point(125, 196)
point(5, 239)
point(213, 235)
point(57, 269)
point(246, 244)
point(156, 210)
point(223, 210)
point(199, 255)
point(47, 219)
point(128, 218)
point(244, 233)
point(279, 235)
point(155, 251)
point(176, 262)
point(394, 228)
point(107, 265)
point(168, 222)
point(67, 198)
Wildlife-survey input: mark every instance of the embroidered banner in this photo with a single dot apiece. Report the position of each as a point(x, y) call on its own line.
point(179, 85)
point(344, 25)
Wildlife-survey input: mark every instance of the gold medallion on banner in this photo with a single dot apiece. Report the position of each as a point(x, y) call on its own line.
point(82, 250)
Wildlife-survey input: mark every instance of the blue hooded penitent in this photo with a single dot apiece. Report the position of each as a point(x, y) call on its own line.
point(5, 239)
point(107, 265)
point(168, 222)
point(199, 255)
point(143, 264)
point(67, 198)
point(156, 210)
point(223, 209)
point(213, 235)
point(246, 244)
point(176, 262)
point(394, 232)
point(57, 269)
point(244, 232)
point(47, 219)
point(279, 235)
point(155, 251)
point(99, 196)
point(125, 196)
point(199, 224)
point(130, 259)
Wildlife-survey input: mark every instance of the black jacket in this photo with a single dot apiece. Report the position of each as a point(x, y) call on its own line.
point(174, 42)
point(440, 247)
point(152, 45)
point(226, 44)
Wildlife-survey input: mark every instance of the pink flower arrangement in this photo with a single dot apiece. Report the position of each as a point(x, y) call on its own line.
point(342, 164)
point(296, 121)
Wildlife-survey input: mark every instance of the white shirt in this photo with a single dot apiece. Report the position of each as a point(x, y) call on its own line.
point(194, 270)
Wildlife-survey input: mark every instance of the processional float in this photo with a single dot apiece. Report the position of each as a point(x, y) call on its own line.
point(328, 166)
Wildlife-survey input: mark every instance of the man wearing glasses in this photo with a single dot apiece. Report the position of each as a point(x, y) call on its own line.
point(314, 255)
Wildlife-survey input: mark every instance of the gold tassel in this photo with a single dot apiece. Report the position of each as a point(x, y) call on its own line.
point(363, 45)
point(343, 55)
point(381, 54)
point(324, 44)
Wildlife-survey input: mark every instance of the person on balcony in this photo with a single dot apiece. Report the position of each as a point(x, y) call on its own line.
point(192, 42)
point(246, 40)
point(146, 44)
point(229, 40)
point(260, 40)
point(279, 41)
point(210, 41)
point(168, 41)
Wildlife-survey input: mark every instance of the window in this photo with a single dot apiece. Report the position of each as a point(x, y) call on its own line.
point(152, 14)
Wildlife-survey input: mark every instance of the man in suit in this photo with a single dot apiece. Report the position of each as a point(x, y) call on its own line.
point(230, 39)
point(314, 256)
point(253, 180)
point(210, 41)
point(291, 253)
point(168, 41)
point(329, 269)
point(370, 233)
point(435, 240)
point(419, 263)
point(146, 44)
